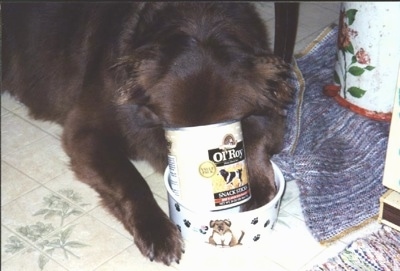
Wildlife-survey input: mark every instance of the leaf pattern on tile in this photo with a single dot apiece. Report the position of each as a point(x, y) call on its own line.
point(60, 242)
point(13, 245)
point(41, 234)
point(73, 196)
point(55, 205)
point(36, 231)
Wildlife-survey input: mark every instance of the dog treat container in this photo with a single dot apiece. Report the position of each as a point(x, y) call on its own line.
point(228, 227)
point(207, 165)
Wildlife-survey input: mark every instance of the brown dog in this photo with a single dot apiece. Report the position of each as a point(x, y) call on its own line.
point(114, 74)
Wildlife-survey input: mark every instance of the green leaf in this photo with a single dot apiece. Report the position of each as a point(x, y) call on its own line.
point(336, 78)
point(356, 71)
point(66, 234)
point(369, 68)
point(356, 92)
point(351, 14)
point(353, 60)
point(43, 260)
point(41, 212)
point(75, 244)
point(350, 48)
point(52, 213)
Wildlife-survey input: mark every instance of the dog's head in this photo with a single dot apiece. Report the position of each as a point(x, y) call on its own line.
point(220, 226)
point(223, 173)
point(192, 64)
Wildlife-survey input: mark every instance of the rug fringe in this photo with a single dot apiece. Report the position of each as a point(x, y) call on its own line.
point(317, 40)
point(302, 87)
point(363, 224)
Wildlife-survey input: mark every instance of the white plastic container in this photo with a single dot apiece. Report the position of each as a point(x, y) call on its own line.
point(228, 227)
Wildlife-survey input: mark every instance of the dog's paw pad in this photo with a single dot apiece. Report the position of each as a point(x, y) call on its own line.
point(177, 207)
point(254, 221)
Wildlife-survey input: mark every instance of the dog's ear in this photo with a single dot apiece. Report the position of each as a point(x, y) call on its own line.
point(212, 224)
point(131, 80)
point(271, 75)
point(227, 222)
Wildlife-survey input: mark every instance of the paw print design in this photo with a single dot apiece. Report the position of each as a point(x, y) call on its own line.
point(256, 238)
point(177, 207)
point(187, 223)
point(277, 204)
point(203, 229)
point(254, 221)
point(266, 223)
point(179, 228)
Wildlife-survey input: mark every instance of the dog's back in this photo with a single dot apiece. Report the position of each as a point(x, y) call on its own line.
point(50, 50)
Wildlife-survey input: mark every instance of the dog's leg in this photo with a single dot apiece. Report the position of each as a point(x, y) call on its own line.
point(98, 159)
point(262, 138)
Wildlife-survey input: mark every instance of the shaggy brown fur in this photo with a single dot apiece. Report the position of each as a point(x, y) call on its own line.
point(114, 74)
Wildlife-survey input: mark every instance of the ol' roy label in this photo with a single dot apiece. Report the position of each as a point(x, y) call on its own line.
point(230, 185)
point(208, 166)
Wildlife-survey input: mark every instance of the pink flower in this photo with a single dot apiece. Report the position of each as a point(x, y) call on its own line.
point(362, 57)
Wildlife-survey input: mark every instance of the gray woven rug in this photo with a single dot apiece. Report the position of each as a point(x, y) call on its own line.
point(379, 251)
point(335, 156)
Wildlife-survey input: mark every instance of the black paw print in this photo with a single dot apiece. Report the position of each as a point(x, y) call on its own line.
point(177, 207)
point(255, 238)
point(254, 221)
point(204, 229)
point(266, 223)
point(277, 204)
point(187, 223)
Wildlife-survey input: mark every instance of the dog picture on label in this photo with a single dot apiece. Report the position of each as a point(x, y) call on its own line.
point(222, 234)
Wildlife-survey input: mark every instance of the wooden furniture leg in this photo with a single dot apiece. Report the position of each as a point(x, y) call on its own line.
point(286, 19)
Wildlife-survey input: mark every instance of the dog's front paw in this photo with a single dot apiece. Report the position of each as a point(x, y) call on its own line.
point(159, 239)
point(260, 195)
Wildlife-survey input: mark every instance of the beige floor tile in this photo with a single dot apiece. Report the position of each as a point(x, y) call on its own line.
point(291, 244)
point(16, 254)
point(32, 260)
point(38, 213)
point(156, 183)
point(294, 208)
point(42, 161)
point(20, 134)
point(105, 217)
point(291, 193)
point(144, 168)
point(14, 184)
point(362, 231)
point(206, 257)
point(76, 191)
point(4, 111)
point(132, 259)
point(11, 245)
point(327, 253)
point(81, 238)
point(47, 126)
point(9, 102)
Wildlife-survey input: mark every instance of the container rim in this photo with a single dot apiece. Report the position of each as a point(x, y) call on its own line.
point(186, 128)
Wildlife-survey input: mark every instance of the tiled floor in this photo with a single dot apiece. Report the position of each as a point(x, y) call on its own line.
point(50, 221)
